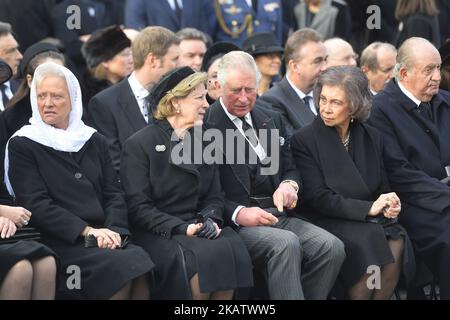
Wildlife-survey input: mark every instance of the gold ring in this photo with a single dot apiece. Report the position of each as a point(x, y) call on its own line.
point(293, 204)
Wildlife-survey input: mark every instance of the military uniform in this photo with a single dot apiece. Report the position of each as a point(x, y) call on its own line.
point(235, 20)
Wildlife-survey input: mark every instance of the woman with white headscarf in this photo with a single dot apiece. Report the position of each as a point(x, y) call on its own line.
point(60, 169)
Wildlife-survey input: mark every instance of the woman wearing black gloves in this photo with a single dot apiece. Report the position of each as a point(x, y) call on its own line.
point(175, 203)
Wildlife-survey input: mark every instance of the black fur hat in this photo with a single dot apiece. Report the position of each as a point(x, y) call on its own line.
point(103, 45)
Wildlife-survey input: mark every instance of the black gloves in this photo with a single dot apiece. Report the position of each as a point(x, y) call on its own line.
point(208, 230)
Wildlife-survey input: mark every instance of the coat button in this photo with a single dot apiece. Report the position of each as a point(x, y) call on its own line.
point(78, 175)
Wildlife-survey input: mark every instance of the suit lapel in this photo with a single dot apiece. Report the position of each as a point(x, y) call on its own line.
point(296, 105)
point(340, 172)
point(217, 118)
point(131, 109)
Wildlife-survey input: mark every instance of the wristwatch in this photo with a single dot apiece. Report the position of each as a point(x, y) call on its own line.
point(293, 184)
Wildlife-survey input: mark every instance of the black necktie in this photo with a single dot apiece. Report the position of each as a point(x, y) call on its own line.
point(177, 10)
point(425, 110)
point(306, 100)
point(5, 98)
point(249, 132)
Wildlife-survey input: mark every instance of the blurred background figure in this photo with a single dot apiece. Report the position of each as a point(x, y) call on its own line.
point(9, 52)
point(29, 19)
point(210, 62)
point(377, 62)
point(417, 18)
point(444, 51)
point(95, 14)
point(305, 58)
point(108, 59)
point(171, 14)
point(267, 53)
point(193, 44)
point(340, 53)
point(234, 21)
point(329, 18)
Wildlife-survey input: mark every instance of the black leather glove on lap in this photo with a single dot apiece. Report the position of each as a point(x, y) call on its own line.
point(208, 230)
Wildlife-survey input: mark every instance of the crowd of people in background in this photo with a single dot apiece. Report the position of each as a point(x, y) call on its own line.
point(107, 112)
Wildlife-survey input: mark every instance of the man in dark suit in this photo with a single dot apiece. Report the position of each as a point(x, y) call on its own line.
point(414, 118)
point(171, 14)
point(299, 260)
point(122, 109)
point(305, 57)
point(9, 52)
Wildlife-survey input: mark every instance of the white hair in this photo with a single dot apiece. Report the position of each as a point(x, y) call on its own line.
point(236, 60)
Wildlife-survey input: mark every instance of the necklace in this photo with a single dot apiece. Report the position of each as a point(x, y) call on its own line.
point(346, 141)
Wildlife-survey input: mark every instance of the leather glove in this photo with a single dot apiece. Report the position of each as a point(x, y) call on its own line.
point(208, 230)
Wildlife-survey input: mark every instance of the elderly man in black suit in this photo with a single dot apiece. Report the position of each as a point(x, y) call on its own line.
point(305, 57)
point(300, 260)
point(414, 117)
point(122, 110)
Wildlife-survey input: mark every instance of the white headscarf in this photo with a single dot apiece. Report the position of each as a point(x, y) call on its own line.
point(70, 140)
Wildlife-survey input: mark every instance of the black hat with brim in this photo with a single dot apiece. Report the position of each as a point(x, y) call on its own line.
point(262, 43)
point(167, 82)
point(216, 51)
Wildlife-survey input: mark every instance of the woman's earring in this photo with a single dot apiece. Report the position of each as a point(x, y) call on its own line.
point(178, 111)
point(352, 119)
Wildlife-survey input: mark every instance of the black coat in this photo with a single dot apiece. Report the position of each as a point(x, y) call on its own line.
point(340, 188)
point(163, 198)
point(285, 100)
point(419, 151)
point(66, 192)
point(420, 25)
point(115, 113)
point(235, 178)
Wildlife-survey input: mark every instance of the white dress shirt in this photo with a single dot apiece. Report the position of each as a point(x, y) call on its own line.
point(9, 94)
point(140, 94)
point(408, 94)
point(172, 4)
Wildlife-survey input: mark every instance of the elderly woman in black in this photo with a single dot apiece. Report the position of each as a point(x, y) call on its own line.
point(345, 185)
point(27, 268)
point(175, 199)
point(60, 170)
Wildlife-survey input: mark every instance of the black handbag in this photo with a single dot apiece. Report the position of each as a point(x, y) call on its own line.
point(27, 233)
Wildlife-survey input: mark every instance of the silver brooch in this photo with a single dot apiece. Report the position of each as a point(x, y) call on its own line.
point(282, 140)
point(160, 148)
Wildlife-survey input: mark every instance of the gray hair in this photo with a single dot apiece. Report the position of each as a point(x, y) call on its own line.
point(355, 85)
point(369, 56)
point(405, 55)
point(236, 60)
point(5, 29)
point(191, 34)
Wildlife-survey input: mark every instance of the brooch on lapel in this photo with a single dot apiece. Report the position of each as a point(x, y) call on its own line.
point(160, 148)
point(282, 141)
